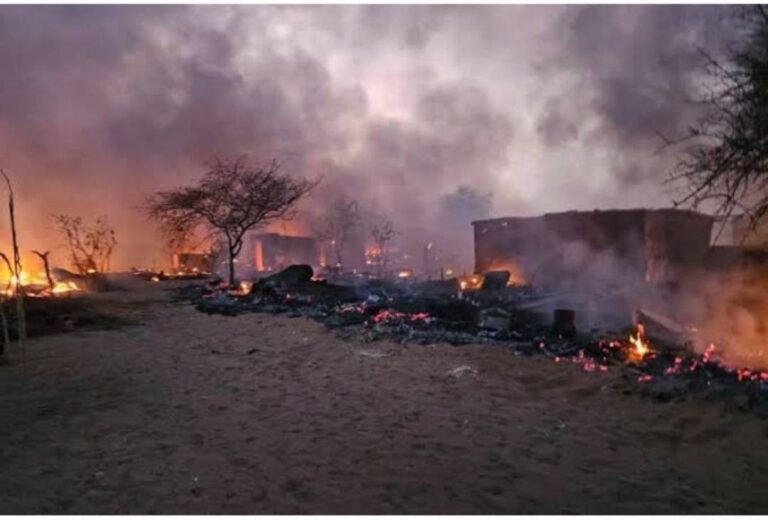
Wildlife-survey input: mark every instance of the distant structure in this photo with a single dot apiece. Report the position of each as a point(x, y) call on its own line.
point(191, 262)
point(636, 245)
point(273, 251)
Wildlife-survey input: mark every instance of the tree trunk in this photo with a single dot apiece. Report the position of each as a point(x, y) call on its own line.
point(231, 268)
point(47, 266)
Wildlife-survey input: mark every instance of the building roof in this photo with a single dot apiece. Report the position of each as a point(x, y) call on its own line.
point(593, 212)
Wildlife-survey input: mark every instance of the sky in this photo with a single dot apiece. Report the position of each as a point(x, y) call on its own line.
point(431, 116)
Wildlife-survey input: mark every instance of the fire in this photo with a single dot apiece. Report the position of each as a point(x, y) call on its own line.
point(515, 274)
point(405, 273)
point(65, 287)
point(468, 283)
point(639, 347)
point(372, 255)
point(37, 286)
point(245, 287)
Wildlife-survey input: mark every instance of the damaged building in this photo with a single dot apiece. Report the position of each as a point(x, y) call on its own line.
point(659, 246)
point(192, 262)
point(273, 251)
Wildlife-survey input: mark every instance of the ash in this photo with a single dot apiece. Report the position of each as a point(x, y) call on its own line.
point(438, 312)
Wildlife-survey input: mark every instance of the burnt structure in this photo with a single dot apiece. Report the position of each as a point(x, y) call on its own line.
point(272, 251)
point(635, 245)
point(192, 262)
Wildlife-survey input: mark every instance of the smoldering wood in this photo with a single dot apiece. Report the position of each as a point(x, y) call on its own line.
point(375, 310)
point(663, 328)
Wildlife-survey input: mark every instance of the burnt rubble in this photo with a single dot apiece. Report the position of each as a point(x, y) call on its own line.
point(429, 313)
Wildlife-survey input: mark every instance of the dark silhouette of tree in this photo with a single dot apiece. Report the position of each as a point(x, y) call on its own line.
point(21, 320)
point(382, 234)
point(47, 266)
point(90, 247)
point(725, 161)
point(232, 198)
point(337, 227)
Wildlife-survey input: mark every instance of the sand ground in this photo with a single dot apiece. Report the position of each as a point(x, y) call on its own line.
point(189, 413)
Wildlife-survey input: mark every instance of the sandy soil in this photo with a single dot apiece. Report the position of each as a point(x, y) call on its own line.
point(189, 413)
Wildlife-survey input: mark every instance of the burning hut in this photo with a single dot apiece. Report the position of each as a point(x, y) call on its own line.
point(639, 245)
point(273, 251)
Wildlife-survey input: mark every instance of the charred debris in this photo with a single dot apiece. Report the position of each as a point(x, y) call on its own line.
point(516, 317)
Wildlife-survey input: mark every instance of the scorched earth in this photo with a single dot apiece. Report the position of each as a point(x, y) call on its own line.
point(190, 413)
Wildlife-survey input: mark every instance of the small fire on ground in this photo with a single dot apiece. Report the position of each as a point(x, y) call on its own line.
point(639, 347)
point(38, 286)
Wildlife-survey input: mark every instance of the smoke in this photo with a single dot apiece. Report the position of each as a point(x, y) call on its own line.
point(417, 112)
point(727, 310)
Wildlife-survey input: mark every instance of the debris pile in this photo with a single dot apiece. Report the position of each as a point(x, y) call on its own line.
point(425, 313)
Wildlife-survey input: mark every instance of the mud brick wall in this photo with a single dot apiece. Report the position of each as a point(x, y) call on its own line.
point(677, 244)
point(646, 245)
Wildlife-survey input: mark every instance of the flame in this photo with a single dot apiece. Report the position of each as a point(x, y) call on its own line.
point(639, 347)
point(65, 287)
point(372, 255)
point(245, 287)
point(472, 282)
point(36, 286)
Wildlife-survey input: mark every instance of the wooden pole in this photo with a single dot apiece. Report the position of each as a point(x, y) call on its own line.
point(17, 269)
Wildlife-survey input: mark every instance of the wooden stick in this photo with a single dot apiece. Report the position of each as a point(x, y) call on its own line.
point(21, 322)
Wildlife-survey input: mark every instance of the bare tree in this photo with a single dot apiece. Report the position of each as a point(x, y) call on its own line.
point(725, 161)
point(232, 198)
point(21, 319)
point(46, 266)
point(382, 233)
point(216, 253)
point(337, 228)
point(90, 247)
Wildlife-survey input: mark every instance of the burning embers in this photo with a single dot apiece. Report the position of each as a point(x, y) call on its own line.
point(639, 347)
point(413, 313)
point(177, 274)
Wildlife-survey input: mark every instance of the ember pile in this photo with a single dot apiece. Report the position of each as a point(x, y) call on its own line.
point(162, 276)
point(496, 313)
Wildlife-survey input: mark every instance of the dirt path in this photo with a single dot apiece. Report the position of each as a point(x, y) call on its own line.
point(190, 413)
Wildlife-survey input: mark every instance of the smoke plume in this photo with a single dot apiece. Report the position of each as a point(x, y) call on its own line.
point(430, 115)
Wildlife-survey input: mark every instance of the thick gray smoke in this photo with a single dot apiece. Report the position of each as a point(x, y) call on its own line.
point(430, 115)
